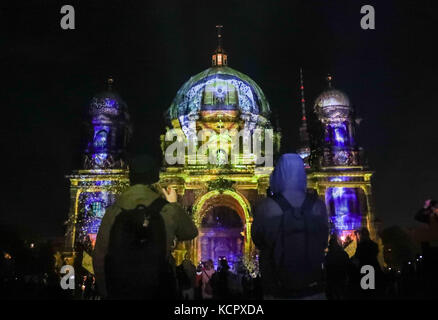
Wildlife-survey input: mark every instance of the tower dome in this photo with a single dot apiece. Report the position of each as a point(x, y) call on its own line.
point(333, 105)
point(108, 104)
point(332, 98)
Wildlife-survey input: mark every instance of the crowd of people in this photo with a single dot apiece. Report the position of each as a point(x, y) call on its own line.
point(290, 231)
point(297, 257)
point(204, 282)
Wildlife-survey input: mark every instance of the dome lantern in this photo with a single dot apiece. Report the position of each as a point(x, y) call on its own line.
point(219, 57)
point(110, 82)
point(329, 81)
point(331, 97)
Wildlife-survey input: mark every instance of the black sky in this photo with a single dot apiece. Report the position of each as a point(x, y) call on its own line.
point(153, 47)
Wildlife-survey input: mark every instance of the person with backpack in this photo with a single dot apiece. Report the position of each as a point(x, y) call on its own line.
point(291, 229)
point(132, 255)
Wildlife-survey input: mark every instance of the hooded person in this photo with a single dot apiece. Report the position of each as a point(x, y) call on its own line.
point(290, 229)
point(144, 191)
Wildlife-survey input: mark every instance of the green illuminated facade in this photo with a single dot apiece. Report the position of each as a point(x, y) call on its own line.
point(221, 196)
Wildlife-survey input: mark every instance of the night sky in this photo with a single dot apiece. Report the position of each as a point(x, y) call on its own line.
point(152, 47)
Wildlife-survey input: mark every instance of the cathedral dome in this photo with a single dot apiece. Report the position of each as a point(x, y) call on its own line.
point(219, 88)
point(332, 98)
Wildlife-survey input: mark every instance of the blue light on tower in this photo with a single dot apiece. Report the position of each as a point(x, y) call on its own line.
point(344, 208)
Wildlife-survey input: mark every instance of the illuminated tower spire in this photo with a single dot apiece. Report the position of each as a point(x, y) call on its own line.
point(303, 100)
point(304, 150)
point(219, 57)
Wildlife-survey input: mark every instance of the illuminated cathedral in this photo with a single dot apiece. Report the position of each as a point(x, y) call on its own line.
point(221, 196)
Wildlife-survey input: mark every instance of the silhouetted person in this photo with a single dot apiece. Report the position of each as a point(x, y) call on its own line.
point(225, 284)
point(428, 237)
point(337, 267)
point(290, 229)
point(198, 281)
point(187, 279)
point(132, 257)
point(207, 273)
point(366, 254)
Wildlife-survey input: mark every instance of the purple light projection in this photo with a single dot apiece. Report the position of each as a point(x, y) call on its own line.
point(337, 135)
point(94, 205)
point(105, 105)
point(221, 230)
point(106, 132)
point(344, 207)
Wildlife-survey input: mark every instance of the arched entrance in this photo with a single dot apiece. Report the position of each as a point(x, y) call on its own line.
point(221, 234)
point(224, 224)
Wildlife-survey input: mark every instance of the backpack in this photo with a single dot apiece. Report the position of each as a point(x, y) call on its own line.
point(297, 252)
point(136, 261)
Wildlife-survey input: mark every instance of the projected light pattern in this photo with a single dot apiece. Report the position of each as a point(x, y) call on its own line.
point(339, 179)
point(340, 135)
point(93, 209)
point(108, 131)
point(337, 135)
point(225, 86)
point(105, 105)
point(344, 208)
point(100, 141)
point(100, 158)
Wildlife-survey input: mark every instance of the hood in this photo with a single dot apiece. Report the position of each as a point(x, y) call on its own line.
point(136, 195)
point(289, 178)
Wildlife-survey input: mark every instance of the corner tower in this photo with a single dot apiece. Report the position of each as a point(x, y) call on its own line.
point(104, 172)
point(341, 176)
